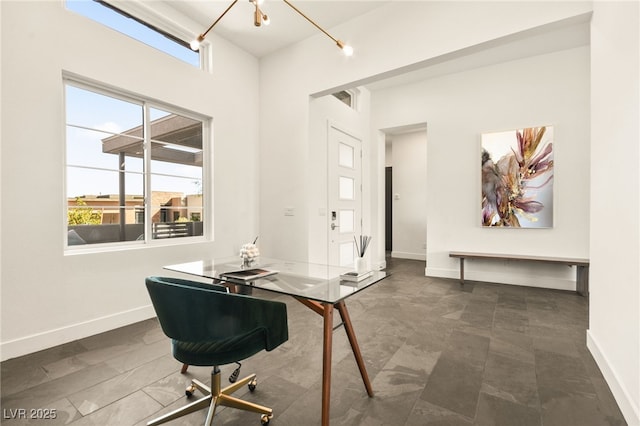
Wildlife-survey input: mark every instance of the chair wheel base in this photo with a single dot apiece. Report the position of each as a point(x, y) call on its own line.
point(266, 418)
point(252, 385)
point(190, 390)
point(236, 373)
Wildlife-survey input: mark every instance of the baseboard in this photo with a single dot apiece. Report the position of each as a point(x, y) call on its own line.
point(379, 266)
point(48, 339)
point(629, 408)
point(441, 273)
point(411, 256)
point(505, 278)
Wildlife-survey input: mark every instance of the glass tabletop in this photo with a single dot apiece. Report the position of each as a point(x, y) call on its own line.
point(322, 283)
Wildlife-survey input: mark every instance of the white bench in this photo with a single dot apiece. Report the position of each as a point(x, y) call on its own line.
point(582, 265)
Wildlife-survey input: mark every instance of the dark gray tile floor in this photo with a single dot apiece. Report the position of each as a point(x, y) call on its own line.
point(437, 354)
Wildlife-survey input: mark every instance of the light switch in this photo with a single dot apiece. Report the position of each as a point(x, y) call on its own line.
point(396, 196)
point(289, 211)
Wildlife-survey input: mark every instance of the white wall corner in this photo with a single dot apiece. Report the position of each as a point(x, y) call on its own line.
point(629, 407)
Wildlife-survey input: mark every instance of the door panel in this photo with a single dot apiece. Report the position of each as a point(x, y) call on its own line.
point(345, 195)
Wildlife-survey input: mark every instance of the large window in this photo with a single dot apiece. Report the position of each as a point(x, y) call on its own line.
point(134, 170)
point(109, 15)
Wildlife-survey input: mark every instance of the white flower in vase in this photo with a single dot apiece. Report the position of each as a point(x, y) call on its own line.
point(249, 253)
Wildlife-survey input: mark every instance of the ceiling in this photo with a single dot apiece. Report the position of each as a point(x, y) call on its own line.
point(561, 35)
point(287, 26)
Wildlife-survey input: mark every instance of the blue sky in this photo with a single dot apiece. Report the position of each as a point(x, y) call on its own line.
point(106, 115)
point(134, 29)
point(92, 117)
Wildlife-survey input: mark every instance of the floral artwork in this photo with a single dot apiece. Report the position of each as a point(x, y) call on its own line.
point(517, 178)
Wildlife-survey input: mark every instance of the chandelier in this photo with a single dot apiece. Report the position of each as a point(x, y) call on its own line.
point(260, 18)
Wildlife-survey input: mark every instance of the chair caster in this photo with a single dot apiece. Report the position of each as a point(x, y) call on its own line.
point(234, 376)
point(252, 385)
point(266, 418)
point(190, 390)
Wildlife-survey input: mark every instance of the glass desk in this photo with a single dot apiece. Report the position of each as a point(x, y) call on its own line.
point(318, 287)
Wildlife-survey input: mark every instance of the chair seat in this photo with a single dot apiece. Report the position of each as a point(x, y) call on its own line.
point(220, 352)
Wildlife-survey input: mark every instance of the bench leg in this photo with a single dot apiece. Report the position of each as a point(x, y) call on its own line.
point(582, 280)
point(462, 270)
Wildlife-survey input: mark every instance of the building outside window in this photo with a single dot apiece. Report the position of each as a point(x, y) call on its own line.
point(134, 169)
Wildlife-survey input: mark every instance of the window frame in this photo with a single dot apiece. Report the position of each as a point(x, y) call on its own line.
point(146, 104)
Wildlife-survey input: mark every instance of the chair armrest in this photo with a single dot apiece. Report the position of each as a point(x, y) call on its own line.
point(250, 313)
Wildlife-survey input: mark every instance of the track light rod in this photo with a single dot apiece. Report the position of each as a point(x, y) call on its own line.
point(204, 34)
point(310, 20)
point(345, 48)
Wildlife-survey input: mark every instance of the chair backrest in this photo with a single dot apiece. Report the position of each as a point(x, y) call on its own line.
point(190, 311)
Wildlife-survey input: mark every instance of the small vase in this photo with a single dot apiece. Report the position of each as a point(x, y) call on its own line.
point(360, 265)
point(247, 262)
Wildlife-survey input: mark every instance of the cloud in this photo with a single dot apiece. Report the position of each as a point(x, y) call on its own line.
point(109, 127)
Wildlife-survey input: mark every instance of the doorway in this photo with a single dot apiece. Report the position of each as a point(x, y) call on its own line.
point(406, 192)
point(388, 210)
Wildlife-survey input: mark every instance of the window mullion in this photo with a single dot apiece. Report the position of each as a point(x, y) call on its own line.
point(148, 199)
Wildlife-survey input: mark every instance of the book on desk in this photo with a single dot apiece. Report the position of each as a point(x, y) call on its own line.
point(248, 274)
point(353, 276)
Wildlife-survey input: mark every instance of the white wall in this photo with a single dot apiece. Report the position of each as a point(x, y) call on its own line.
point(409, 198)
point(459, 108)
point(289, 76)
point(614, 309)
point(49, 298)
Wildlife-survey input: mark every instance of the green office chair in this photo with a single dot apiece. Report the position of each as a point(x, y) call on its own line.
point(211, 327)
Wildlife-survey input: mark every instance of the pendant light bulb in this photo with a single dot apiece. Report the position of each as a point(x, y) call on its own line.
point(346, 49)
point(195, 44)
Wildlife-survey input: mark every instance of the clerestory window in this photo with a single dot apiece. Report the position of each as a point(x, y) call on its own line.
point(119, 20)
point(134, 169)
point(348, 97)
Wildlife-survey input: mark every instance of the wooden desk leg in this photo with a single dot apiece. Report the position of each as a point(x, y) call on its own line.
point(462, 270)
point(346, 320)
point(327, 337)
point(326, 310)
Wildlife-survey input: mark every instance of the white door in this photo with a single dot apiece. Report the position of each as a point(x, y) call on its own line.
point(345, 196)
